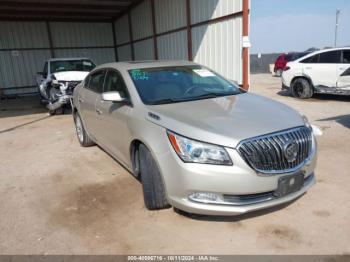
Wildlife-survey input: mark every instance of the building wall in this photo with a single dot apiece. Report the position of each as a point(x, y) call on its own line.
point(24, 46)
point(138, 36)
point(217, 45)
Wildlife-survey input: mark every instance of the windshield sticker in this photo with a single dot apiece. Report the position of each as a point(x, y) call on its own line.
point(137, 74)
point(203, 72)
point(86, 63)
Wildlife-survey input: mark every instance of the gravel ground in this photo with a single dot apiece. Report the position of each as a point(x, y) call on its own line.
point(59, 198)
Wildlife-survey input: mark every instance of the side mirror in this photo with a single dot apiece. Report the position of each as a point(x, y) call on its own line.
point(113, 96)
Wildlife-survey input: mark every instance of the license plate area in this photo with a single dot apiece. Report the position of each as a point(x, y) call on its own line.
point(289, 184)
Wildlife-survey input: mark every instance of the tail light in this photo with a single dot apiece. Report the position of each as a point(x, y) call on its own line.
point(286, 68)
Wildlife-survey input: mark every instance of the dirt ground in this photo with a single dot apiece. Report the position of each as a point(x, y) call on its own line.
point(59, 198)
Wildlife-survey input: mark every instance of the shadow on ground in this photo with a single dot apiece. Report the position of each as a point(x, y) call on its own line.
point(21, 106)
point(318, 97)
point(342, 119)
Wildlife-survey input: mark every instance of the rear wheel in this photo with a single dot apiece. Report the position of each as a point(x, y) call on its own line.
point(301, 88)
point(152, 183)
point(279, 72)
point(83, 137)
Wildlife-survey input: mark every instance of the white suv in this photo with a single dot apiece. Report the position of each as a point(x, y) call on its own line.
point(325, 71)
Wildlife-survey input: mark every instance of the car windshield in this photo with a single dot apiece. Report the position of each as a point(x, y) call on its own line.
point(84, 65)
point(178, 84)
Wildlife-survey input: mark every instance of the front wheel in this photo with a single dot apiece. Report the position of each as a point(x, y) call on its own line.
point(83, 137)
point(301, 88)
point(152, 183)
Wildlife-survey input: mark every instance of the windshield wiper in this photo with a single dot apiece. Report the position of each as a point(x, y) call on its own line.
point(204, 96)
point(207, 96)
point(163, 101)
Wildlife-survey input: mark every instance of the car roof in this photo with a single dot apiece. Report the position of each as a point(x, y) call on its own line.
point(68, 58)
point(128, 65)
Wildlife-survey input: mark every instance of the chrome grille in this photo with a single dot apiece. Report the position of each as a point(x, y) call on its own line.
point(266, 154)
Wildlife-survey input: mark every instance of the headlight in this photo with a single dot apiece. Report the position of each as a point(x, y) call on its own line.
point(192, 151)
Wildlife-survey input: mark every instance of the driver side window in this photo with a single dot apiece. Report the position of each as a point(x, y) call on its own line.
point(114, 82)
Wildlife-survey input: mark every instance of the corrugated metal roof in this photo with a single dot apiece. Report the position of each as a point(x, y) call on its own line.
point(88, 10)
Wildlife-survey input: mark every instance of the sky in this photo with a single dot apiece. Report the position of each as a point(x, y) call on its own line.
point(296, 25)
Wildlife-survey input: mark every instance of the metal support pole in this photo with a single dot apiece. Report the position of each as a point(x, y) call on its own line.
point(336, 27)
point(245, 51)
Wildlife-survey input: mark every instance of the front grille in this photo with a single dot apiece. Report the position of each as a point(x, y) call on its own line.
point(266, 154)
point(70, 86)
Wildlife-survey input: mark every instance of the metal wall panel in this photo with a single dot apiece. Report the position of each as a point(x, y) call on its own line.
point(122, 30)
point(81, 34)
point(173, 46)
point(144, 50)
point(219, 47)
point(19, 68)
point(97, 55)
point(203, 10)
point(23, 35)
point(124, 53)
point(141, 20)
point(170, 14)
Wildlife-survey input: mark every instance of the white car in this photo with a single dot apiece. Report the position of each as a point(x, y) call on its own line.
point(59, 78)
point(324, 71)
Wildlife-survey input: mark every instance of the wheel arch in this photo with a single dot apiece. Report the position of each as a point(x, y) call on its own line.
point(307, 78)
point(134, 158)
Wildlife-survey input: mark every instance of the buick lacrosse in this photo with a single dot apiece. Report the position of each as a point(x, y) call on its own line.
point(197, 141)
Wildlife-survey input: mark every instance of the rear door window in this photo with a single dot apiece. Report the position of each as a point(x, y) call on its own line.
point(311, 60)
point(332, 57)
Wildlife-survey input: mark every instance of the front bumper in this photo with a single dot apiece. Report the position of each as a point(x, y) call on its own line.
point(183, 179)
point(62, 100)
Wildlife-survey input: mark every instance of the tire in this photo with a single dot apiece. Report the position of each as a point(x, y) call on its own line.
point(152, 183)
point(301, 88)
point(83, 137)
point(279, 72)
point(58, 111)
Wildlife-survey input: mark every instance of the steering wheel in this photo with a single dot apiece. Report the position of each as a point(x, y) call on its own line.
point(191, 89)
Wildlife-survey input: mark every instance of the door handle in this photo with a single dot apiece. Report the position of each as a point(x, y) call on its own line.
point(309, 67)
point(81, 100)
point(98, 111)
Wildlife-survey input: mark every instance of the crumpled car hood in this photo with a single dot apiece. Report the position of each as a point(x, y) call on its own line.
point(226, 120)
point(71, 75)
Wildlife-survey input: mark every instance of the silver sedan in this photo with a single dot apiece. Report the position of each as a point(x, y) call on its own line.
point(197, 141)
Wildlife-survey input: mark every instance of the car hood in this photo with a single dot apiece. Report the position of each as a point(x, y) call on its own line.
point(226, 120)
point(71, 75)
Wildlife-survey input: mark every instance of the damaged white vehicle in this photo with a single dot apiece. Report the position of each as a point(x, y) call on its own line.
point(58, 80)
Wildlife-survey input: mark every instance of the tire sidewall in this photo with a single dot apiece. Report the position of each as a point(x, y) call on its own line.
point(78, 118)
point(149, 176)
point(307, 90)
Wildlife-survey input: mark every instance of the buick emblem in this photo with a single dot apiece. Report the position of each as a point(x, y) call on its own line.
point(290, 151)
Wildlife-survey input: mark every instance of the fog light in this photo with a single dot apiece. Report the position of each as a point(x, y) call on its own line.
point(205, 197)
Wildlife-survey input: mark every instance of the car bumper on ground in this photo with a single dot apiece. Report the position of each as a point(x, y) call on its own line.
point(240, 188)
